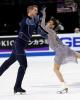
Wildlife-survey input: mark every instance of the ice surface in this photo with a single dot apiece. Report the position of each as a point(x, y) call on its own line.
point(40, 81)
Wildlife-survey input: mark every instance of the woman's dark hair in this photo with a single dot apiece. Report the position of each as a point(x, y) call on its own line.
point(55, 21)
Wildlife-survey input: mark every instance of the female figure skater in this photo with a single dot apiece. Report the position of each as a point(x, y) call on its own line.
point(63, 53)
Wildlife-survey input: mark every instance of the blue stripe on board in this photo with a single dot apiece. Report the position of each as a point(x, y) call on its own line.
point(32, 54)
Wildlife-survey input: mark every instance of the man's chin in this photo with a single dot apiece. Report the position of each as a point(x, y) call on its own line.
point(35, 15)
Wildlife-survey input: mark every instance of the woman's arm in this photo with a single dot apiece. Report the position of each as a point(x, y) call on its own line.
point(43, 18)
point(43, 24)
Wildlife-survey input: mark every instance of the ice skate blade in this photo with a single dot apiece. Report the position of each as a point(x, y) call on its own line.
point(19, 93)
point(63, 91)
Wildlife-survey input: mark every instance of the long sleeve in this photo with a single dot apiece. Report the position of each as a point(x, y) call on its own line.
point(43, 25)
point(43, 21)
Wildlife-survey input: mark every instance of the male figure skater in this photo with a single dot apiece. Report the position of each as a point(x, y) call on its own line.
point(28, 25)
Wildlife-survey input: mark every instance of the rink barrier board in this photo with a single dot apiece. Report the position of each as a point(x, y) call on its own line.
point(71, 40)
point(32, 54)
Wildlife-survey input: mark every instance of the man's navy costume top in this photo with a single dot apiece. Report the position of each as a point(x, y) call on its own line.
point(28, 26)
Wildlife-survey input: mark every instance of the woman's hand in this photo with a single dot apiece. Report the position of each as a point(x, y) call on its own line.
point(43, 11)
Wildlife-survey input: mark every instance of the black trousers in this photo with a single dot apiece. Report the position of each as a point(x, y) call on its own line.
point(18, 53)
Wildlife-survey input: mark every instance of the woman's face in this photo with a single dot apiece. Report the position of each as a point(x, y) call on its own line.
point(50, 24)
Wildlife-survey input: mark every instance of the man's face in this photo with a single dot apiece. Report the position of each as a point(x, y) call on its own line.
point(34, 11)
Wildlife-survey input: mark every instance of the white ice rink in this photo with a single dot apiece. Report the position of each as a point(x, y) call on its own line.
point(40, 81)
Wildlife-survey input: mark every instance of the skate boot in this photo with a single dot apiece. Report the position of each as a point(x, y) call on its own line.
point(19, 90)
point(65, 90)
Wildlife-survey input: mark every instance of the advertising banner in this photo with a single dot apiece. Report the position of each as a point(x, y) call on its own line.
point(38, 46)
